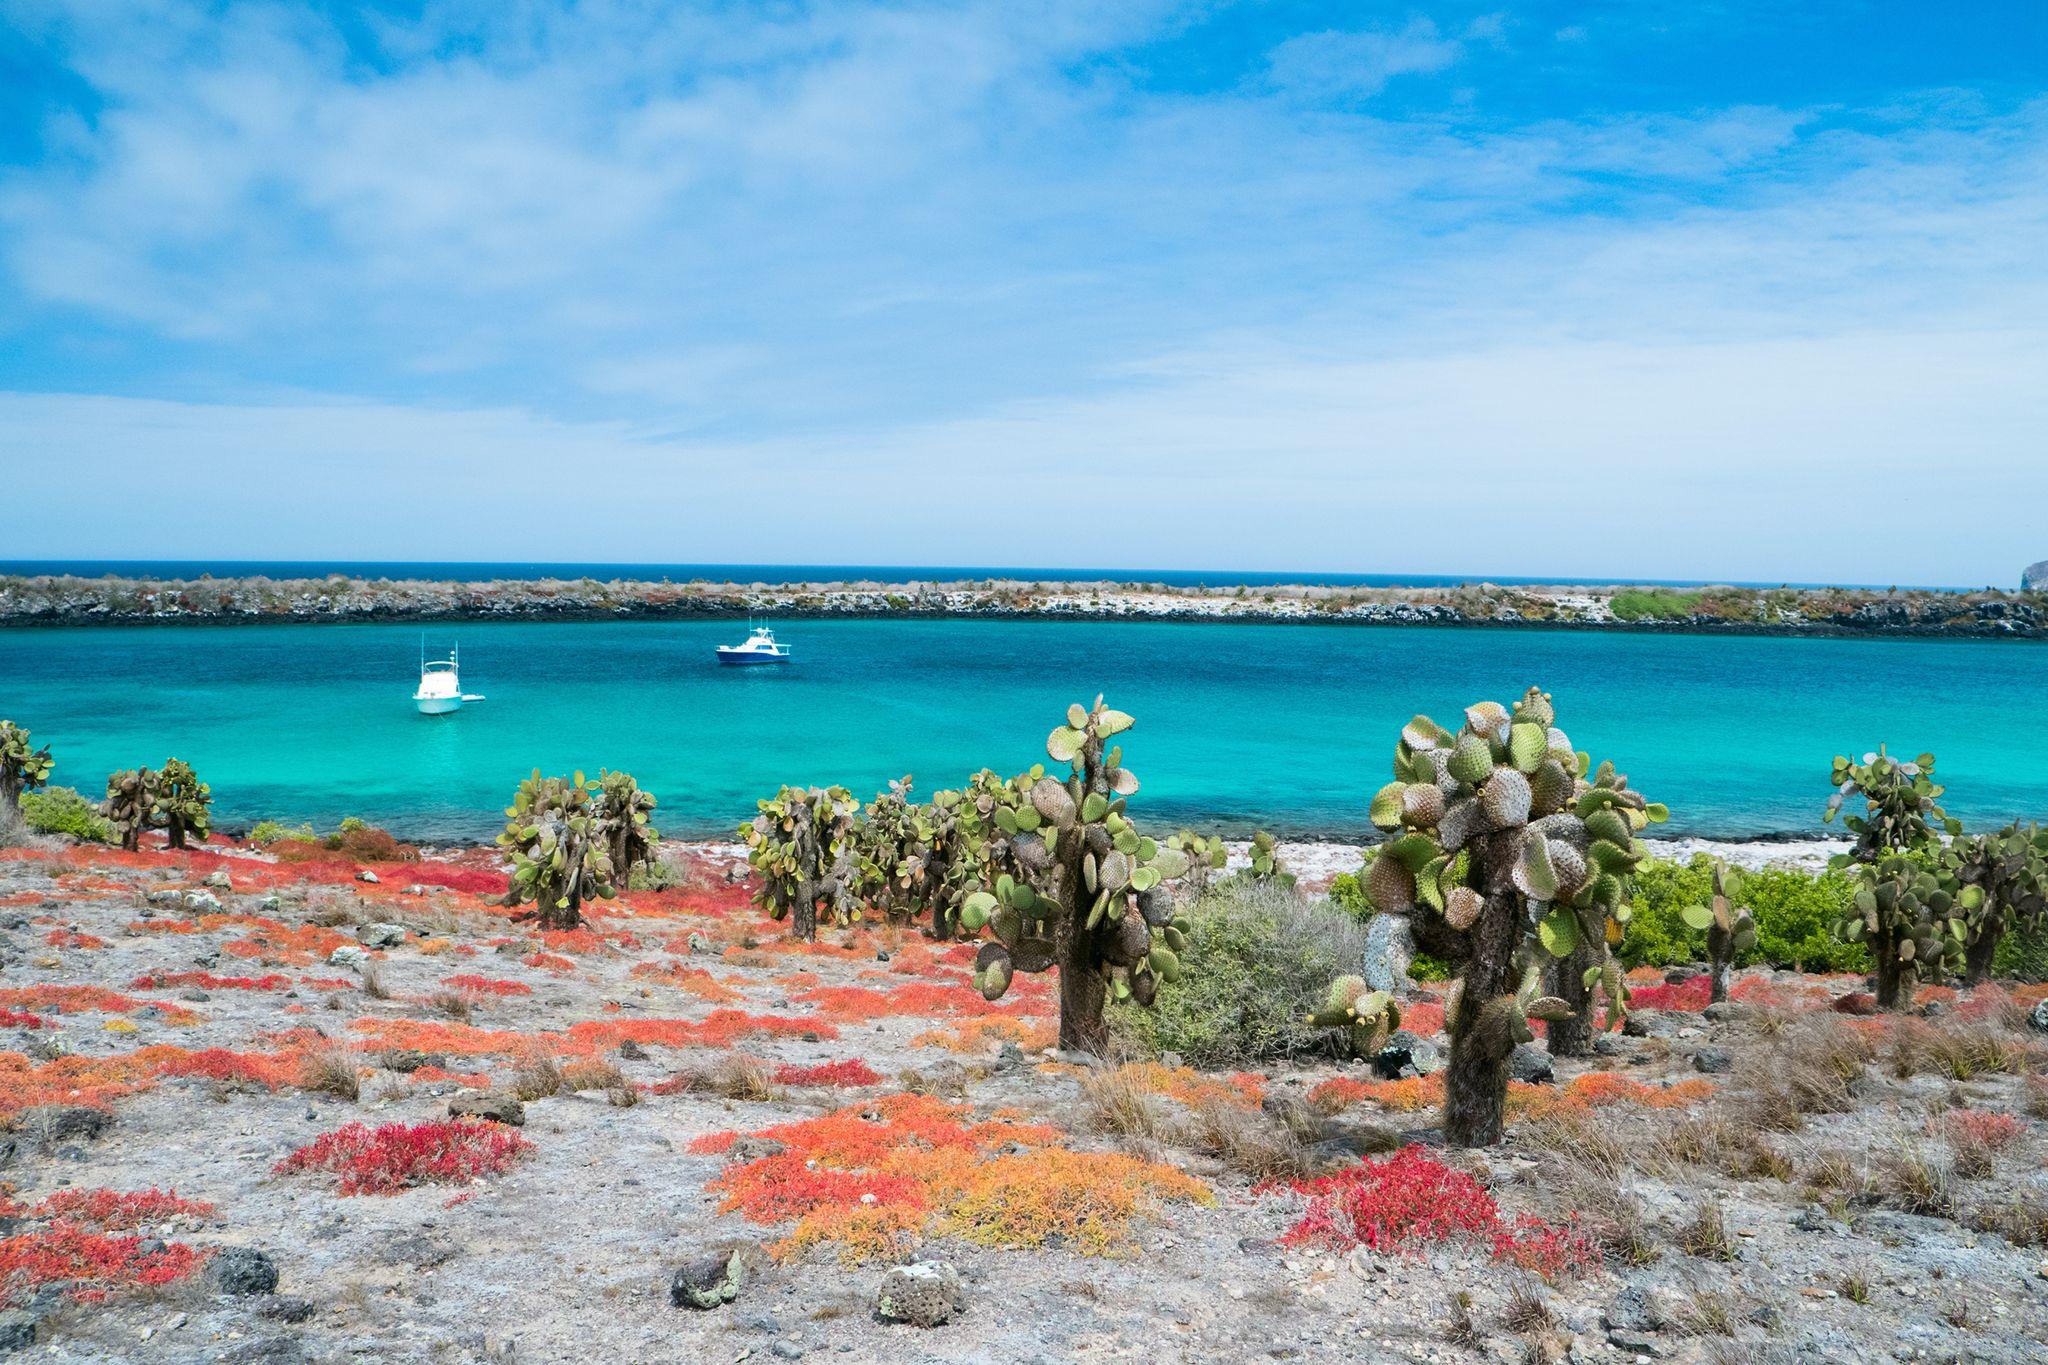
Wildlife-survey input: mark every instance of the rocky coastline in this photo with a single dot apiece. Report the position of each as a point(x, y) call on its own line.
point(1988, 613)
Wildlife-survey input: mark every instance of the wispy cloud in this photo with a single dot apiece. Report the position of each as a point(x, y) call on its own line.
point(974, 250)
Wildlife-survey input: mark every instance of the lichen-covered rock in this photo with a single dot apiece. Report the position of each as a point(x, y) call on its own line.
point(1389, 953)
point(497, 1108)
point(241, 1270)
point(1530, 1064)
point(63, 1122)
point(17, 1331)
point(923, 1294)
point(380, 935)
point(708, 1281)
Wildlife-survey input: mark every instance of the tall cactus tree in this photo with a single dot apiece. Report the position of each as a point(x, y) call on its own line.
point(892, 852)
point(555, 834)
point(1090, 901)
point(183, 804)
point(130, 806)
point(1728, 925)
point(952, 854)
point(1507, 858)
point(22, 768)
point(626, 809)
point(2010, 868)
point(1910, 912)
point(801, 850)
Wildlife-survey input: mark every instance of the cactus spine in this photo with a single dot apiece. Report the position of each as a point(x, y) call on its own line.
point(1506, 858)
point(1729, 928)
point(1912, 916)
point(1090, 900)
point(130, 806)
point(2011, 869)
point(556, 835)
point(182, 803)
point(801, 846)
point(625, 808)
point(22, 768)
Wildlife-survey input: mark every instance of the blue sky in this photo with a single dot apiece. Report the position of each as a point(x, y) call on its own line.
point(1745, 291)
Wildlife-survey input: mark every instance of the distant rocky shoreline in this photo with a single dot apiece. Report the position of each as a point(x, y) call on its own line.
point(66, 600)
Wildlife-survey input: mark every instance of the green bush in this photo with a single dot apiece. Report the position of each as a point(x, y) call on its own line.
point(270, 831)
point(61, 810)
point(1659, 604)
point(1267, 959)
point(2023, 954)
point(1793, 911)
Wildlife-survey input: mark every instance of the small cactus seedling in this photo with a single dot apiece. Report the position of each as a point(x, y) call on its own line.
point(22, 768)
point(182, 803)
point(1090, 901)
point(1729, 928)
point(1368, 1017)
point(130, 806)
point(625, 808)
point(2011, 867)
point(801, 850)
point(556, 835)
point(1511, 863)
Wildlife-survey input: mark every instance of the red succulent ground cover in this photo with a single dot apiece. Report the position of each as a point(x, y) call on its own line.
point(66, 938)
point(77, 1244)
point(159, 981)
point(1982, 1127)
point(19, 1018)
point(550, 962)
point(1411, 1198)
point(397, 1156)
point(1689, 996)
point(852, 1073)
point(469, 983)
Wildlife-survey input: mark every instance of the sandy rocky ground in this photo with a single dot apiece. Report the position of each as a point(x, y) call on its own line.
point(569, 1255)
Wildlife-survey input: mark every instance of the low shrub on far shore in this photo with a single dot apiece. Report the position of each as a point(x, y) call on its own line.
point(1260, 958)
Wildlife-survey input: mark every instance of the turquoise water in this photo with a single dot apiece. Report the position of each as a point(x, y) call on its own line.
point(1285, 727)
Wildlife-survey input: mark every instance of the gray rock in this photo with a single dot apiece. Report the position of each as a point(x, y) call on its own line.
point(220, 881)
point(1424, 1057)
point(1813, 1218)
point(497, 1108)
point(923, 1294)
point(631, 1051)
point(241, 1270)
point(751, 1148)
point(1633, 1310)
point(365, 875)
point(415, 889)
point(2039, 1018)
point(2034, 578)
point(286, 1308)
point(1531, 1065)
point(18, 1330)
point(1649, 1024)
point(203, 901)
point(708, 1281)
point(1073, 1058)
point(786, 1350)
point(1727, 1011)
point(347, 955)
point(380, 935)
point(53, 1123)
point(415, 1249)
point(1358, 1138)
point(273, 901)
point(1010, 1057)
point(160, 896)
point(406, 1060)
point(1712, 1061)
point(1389, 953)
point(700, 945)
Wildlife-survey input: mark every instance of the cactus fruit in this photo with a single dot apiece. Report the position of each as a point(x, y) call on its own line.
point(2011, 867)
point(1728, 925)
point(1910, 911)
point(22, 769)
point(630, 837)
point(130, 806)
point(1517, 867)
point(1368, 1017)
point(181, 803)
point(558, 839)
point(801, 848)
point(1090, 898)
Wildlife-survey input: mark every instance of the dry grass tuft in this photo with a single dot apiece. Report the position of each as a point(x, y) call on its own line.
point(374, 987)
point(2019, 1216)
point(1249, 1142)
point(1959, 1051)
point(1906, 1179)
point(536, 1078)
point(330, 1071)
point(455, 1004)
point(595, 1073)
point(1705, 1234)
point(1710, 1313)
point(1459, 1328)
point(1526, 1312)
point(1115, 1102)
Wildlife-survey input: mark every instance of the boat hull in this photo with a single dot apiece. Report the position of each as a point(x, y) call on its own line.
point(437, 706)
point(744, 657)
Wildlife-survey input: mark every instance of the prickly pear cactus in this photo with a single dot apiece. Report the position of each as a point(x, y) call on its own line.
point(130, 806)
point(801, 848)
point(1090, 899)
point(1729, 928)
point(1914, 918)
point(182, 803)
point(626, 810)
point(1367, 1016)
point(2011, 868)
point(892, 853)
point(1206, 855)
point(1265, 860)
point(1511, 862)
point(556, 838)
point(22, 768)
point(1901, 805)
point(952, 855)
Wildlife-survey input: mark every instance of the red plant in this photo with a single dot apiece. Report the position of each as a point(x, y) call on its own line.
point(471, 984)
point(90, 1264)
point(66, 938)
point(160, 981)
point(116, 1210)
point(394, 1156)
point(1982, 1128)
point(851, 1073)
point(1411, 1197)
point(1691, 996)
point(550, 962)
point(19, 1018)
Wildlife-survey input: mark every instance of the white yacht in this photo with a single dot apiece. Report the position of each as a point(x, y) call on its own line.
point(760, 648)
point(440, 690)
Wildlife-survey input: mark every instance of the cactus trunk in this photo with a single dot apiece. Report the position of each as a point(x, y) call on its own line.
point(1720, 956)
point(1980, 955)
point(1083, 987)
point(1572, 1037)
point(803, 916)
point(1895, 979)
point(1476, 1075)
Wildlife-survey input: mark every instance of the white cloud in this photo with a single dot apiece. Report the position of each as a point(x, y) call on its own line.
point(1352, 63)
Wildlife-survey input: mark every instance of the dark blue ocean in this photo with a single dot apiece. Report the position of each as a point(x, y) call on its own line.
point(1289, 728)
